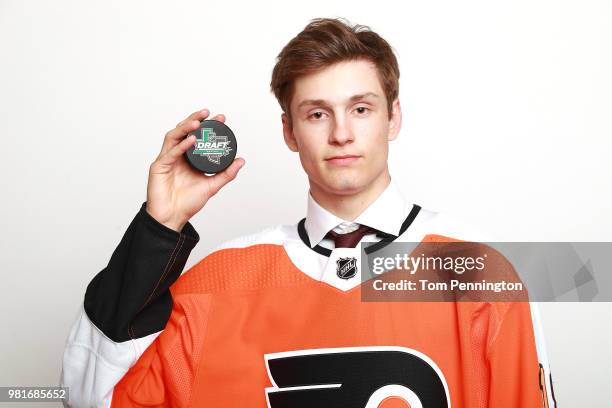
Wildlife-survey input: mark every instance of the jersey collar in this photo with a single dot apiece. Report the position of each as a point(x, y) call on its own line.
point(385, 214)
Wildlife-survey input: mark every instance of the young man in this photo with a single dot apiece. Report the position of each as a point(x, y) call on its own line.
point(273, 318)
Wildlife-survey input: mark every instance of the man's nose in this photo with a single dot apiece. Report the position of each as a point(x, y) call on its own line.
point(341, 132)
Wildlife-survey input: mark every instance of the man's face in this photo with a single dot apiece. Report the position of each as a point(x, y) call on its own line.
point(341, 127)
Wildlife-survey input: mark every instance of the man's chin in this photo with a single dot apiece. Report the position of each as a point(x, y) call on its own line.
point(344, 186)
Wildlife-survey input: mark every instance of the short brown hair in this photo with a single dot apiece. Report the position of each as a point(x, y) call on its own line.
point(326, 41)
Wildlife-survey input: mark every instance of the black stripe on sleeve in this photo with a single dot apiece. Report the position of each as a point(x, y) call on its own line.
point(130, 298)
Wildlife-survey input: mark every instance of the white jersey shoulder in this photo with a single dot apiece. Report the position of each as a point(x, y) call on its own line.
point(271, 235)
point(430, 222)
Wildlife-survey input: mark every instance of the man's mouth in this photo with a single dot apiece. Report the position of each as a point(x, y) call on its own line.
point(342, 160)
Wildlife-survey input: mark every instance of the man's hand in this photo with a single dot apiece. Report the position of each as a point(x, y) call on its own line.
point(176, 191)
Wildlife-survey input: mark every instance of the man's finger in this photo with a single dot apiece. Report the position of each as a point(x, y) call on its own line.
point(177, 134)
point(182, 128)
point(220, 179)
point(201, 115)
point(177, 151)
point(220, 117)
point(197, 115)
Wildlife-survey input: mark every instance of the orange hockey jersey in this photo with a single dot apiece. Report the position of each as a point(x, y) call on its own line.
point(266, 321)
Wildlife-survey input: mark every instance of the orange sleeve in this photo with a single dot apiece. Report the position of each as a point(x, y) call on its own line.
point(164, 374)
point(514, 379)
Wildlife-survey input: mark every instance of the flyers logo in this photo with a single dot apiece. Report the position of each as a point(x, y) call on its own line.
point(362, 377)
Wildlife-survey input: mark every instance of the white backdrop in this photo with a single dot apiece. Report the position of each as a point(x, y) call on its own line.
point(506, 124)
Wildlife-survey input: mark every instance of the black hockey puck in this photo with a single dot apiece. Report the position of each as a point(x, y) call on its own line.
point(214, 149)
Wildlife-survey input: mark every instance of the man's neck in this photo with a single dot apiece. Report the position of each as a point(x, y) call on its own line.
point(349, 206)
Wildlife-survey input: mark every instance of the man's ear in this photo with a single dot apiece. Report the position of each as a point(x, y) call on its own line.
point(395, 123)
point(288, 133)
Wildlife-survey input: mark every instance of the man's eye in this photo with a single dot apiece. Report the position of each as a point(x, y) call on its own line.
point(316, 115)
point(362, 109)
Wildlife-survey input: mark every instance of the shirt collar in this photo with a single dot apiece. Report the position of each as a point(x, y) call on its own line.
point(386, 214)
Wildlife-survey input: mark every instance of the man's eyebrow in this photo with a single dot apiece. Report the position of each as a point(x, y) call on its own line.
point(324, 102)
point(362, 96)
point(312, 102)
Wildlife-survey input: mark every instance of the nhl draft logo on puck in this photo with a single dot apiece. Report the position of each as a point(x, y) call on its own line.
point(214, 149)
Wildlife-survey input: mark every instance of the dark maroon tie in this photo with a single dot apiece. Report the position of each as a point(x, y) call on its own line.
point(349, 240)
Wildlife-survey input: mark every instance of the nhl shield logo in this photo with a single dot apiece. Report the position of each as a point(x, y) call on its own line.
point(346, 268)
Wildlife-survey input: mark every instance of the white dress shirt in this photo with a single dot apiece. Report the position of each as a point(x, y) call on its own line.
point(386, 214)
